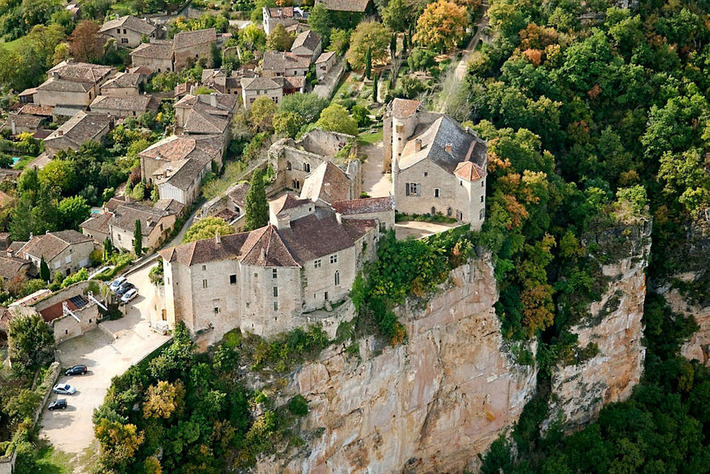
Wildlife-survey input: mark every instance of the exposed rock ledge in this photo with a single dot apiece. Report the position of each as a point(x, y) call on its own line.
point(428, 405)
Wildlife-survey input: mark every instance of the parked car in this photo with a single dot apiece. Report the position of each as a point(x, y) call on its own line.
point(129, 295)
point(59, 404)
point(127, 286)
point(64, 389)
point(116, 284)
point(76, 370)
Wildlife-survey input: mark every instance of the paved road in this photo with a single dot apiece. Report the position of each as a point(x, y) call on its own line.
point(374, 182)
point(106, 356)
point(420, 230)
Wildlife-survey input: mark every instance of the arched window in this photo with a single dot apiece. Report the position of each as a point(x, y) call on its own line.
point(288, 166)
point(449, 212)
point(433, 210)
point(306, 167)
point(337, 278)
point(296, 184)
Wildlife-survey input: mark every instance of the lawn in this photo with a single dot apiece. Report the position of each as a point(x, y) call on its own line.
point(50, 461)
point(14, 44)
point(370, 138)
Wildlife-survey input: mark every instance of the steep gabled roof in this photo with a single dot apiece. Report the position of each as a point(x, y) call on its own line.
point(52, 244)
point(404, 108)
point(130, 103)
point(80, 129)
point(327, 183)
point(259, 83)
point(129, 22)
point(124, 80)
point(190, 39)
point(308, 39)
point(345, 5)
point(154, 50)
point(278, 61)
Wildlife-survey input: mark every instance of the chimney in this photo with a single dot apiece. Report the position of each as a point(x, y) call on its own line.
point(213, 100)
point(13, 126)
point(149, 222)
point(118, 16)
point(217, 238)
point(60, 133)
point(449, 147)
point(417, 144)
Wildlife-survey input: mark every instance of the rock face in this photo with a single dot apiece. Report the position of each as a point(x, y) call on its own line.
point(698, 346)
point(614, 324)
point(428, 405)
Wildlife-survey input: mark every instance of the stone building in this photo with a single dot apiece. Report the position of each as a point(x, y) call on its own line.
point(190, 46)
point(255, 87)
point(76, 131)
point(72, 84)
point(325, 63)
point(206, 115)
point(307, 44)
point(286, 16)
point(125, 106)
point(224, 83)
point(129, 31)
point(65, 251)
point(156, 56)
point(284, 64)
point(438, 167)
point(294, 160)
point(272, 279)
point(124, 84)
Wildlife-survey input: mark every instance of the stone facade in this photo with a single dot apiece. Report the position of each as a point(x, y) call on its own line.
point(128, 31)
point(66, 251)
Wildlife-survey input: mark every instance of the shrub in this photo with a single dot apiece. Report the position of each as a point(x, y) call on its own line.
point(298, 406)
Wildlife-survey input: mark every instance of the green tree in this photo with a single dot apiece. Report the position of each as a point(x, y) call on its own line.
point(368, 63)
point(280, 39)
point(138, 238)
point(31, 343)
point(319, 20)
point(307, 106)
point(339, 41)
point(44, 270)
point(261, 114)
point(399, 14)
point(164, 399)
point(257, 208)
point(335, 118)
point(369, 37)
point(207, 228)
point(73, 211)
point(442, 25)
point(287, 123)
point(375, 80)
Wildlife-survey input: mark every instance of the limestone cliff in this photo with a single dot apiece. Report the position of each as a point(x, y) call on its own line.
point(614, 324)
point(428, 405)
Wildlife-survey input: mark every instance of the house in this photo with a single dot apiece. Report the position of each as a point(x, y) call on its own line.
point(270, 280)
point(307, 44)
point(206, 114)
point(13, 267)
point(353, 6)
point(156, 56)
point(156, 225)
point(76, 131)
point(438, 166)
point(190, 46)
point(65, 251)
point(230, 206)
point(72, 84)
point(124, 84)
point(327, 183)
point(291, 84)
point(255, 87)
point(325, 63)
point(24, 123)
point(224, 83)
point(70, 312)
point(126, 106)
point(177, 165)
point(294, 160)
point(381, 208)
point(286, 16)
point(97, 227)
point(128, 31)
point(280, 64)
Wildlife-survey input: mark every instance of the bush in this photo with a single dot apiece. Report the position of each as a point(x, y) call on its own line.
point(298, 406)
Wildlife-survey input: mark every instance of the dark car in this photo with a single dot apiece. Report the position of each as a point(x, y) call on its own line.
point(125, 288)
point(59, 404)
point(76, 370)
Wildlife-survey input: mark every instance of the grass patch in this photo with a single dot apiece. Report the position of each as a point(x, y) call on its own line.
point(370, 138)
point(13, 45)
point(24, 161)
point(52, 461)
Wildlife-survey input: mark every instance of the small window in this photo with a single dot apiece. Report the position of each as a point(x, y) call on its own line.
point(216, 309)
point(307, 167)
point(482, 197)
point(118, 30)
point(288, 166)
point(426, 174)
point(276, 291)
point(256, 275)
point(204, 283)
point(337, 278)
point(232, 279)
point(204, 267)
point(334, 258)
point(316, 264)
point(124, 31)
point(483, 183)
point(276, 305)
point(481, 214)
point(437, 192)
point(326, 295)
point(274, 273)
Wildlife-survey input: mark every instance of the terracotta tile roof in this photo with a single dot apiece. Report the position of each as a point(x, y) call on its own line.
point(16, 246)
point(238, 194)
point(131, 103)
point(10, 267)
point(259, 83)
point(363, 206)
point(283, 12)
point(286, 202)
point(52, 244)
point(404, 108)
point(140, 70)
point(345, 5)
point(29, 91)
point(36, 109)
point(308, 39)
point(324, 57)
point(114, 202)
point(31, 122)
point(183, 173)
point(177, 148)
point(226, 214)
point(126, 215)
point(190, 39)
point(79, 72)
point(154, 50)
point(290, 82)
point(129, 22)
point(469, 171)
point(280, 61)
point(327, 183)
point(314, 236)
point(80, 129)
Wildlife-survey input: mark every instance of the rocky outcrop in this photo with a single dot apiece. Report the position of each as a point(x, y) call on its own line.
point(614, 324)
point(698, 346)
point(428, 405)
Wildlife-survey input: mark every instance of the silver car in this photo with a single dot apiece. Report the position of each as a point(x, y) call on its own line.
point(64, 389)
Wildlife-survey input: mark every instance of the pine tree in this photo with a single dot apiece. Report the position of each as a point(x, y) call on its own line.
point(138, 239)
point(374, 87)
point(108, 248)
point(257, 209)
point(368, 63)
point(393, 46)
point(404, 44)
point(44, 270)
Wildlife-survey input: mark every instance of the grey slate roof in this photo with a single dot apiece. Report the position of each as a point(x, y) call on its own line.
point(259, 83)
point(308, 39)
point(190, 39)
point(129, 22)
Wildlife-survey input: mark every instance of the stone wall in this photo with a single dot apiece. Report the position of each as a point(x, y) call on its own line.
point(614, 325)
point(428, 405)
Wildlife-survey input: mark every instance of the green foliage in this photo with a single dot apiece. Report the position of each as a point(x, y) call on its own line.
point(298, 406)
point(207, 228)
point(137, 238)
point(44, 270)
point(307, 106)
point(335, 118)
point(81, 275)
point(31, 343)
point(257, 208)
